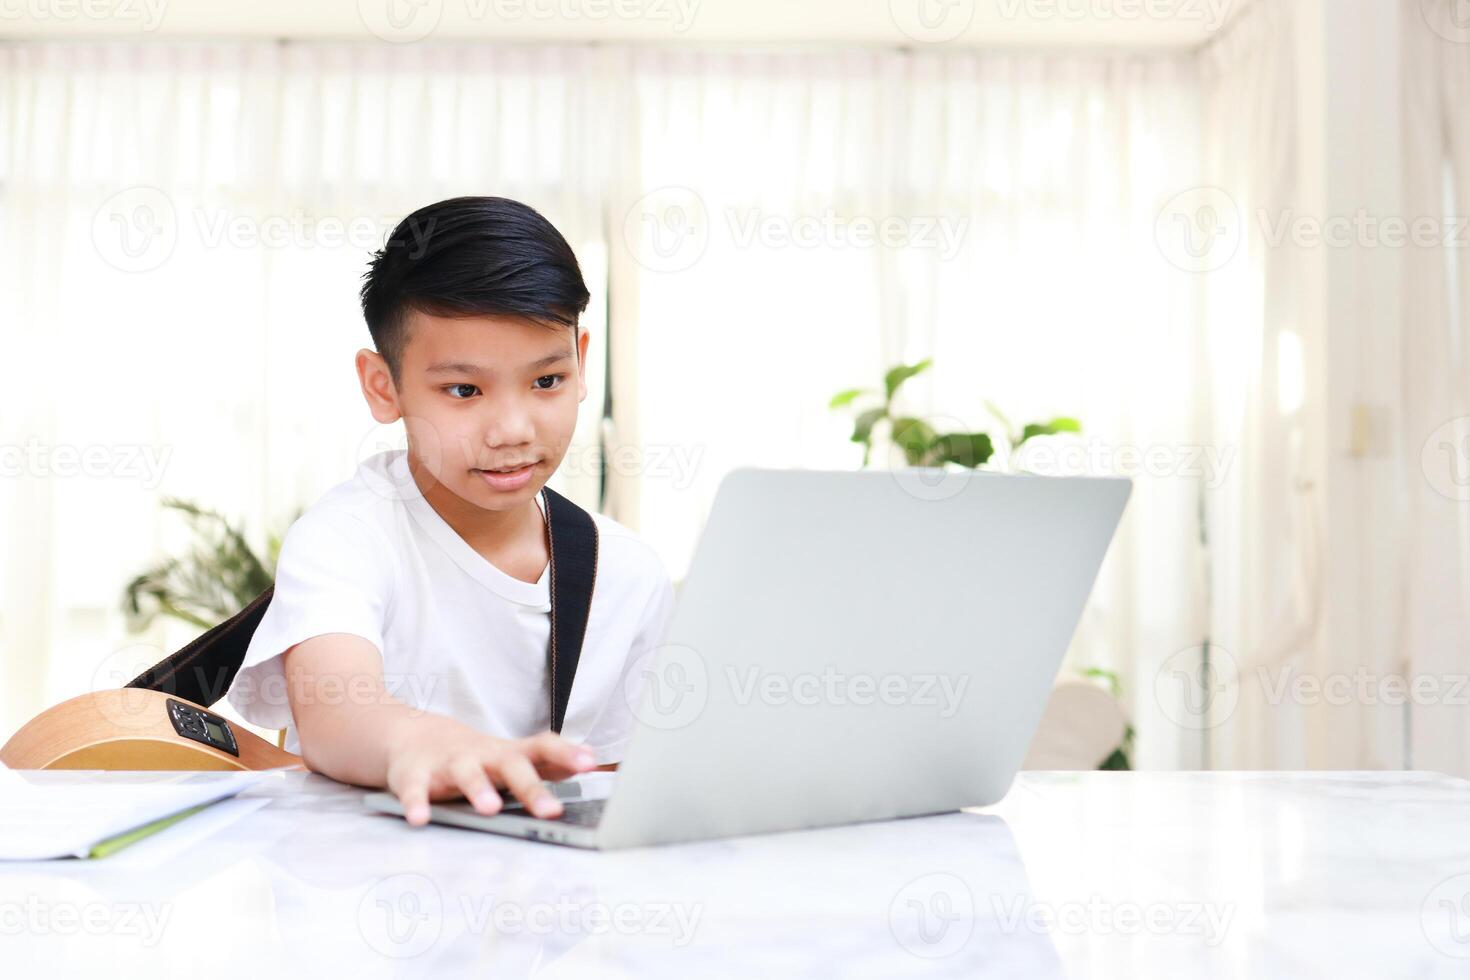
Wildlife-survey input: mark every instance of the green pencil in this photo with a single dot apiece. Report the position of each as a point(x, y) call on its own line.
point(107, 846)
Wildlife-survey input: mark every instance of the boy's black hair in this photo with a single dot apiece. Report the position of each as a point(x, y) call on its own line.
point(470, 256)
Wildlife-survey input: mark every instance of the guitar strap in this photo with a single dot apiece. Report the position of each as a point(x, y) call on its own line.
point(203, 669)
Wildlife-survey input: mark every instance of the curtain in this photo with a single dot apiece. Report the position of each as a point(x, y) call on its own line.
point(1435, 596)
point(185, 225)
point(1264, 521)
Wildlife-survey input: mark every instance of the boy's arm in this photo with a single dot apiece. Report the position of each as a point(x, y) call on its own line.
point(354, 731)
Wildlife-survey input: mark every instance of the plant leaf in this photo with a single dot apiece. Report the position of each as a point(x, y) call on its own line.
point(843, 398)
point(915, 437)
point(862, 429)
point(1056, 425)
point(902, 373)
point(970, 449)
point(1108, 677)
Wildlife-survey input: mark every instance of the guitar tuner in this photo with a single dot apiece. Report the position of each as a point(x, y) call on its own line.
point(202, 726)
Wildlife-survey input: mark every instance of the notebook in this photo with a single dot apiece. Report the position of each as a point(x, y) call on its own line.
point(50, 813)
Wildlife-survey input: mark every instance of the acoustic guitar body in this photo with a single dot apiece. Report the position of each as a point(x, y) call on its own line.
point(135, 728)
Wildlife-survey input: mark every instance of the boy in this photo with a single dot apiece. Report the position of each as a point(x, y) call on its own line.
point(409, 624)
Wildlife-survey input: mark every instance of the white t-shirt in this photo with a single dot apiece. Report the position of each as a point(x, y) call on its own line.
point(458, 636)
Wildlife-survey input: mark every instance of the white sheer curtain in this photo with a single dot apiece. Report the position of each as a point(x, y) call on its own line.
point(1265, 520)
point(1436, 381)
point(1022, 195)
point(184, 228)
point(1267, 397)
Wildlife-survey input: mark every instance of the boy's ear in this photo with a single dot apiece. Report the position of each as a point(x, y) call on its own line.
point(582, 339)
point(377, 386)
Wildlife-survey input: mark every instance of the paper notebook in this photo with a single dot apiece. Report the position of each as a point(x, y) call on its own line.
point(90, 813)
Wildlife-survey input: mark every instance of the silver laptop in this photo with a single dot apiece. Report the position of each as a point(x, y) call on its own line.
point(846, 646)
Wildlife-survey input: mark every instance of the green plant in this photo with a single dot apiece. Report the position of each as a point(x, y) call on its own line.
point(215, 580)
point(921, 444)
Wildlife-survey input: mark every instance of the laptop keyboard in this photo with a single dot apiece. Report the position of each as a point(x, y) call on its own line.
point(581, 813)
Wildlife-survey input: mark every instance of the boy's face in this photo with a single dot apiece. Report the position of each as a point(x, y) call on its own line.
point(481, 394)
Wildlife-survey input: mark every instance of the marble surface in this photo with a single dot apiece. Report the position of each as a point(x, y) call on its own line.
point(1072, 875)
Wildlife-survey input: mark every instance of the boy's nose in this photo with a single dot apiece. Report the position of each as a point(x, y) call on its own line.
point(507, 431)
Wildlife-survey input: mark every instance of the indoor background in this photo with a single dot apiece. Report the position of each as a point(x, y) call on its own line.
point(1226, 237)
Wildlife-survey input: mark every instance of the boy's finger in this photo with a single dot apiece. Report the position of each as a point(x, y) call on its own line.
point(468, 773)
point(555, 771)
point(520, 778)
point(552, 772)
point(549, 750)
point(414, 795)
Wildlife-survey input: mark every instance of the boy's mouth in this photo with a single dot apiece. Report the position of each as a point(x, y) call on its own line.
point(515, 468)
point(508, 478)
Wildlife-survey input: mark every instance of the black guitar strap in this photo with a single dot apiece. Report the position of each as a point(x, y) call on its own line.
point(573, 536)
point(203, 669)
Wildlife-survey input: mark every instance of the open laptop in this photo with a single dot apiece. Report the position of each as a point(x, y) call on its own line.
point(846, 646)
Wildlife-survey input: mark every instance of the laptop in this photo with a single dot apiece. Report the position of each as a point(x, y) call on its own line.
point(846, 647)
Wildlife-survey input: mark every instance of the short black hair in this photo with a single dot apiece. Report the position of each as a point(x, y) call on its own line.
point(470, 256)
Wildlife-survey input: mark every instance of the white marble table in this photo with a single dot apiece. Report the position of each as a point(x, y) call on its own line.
point(1077, 875)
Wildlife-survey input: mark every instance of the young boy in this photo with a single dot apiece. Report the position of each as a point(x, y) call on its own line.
point(409, 624)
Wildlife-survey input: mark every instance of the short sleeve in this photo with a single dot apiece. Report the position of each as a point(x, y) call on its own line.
point(334, 575)
point(609, 735)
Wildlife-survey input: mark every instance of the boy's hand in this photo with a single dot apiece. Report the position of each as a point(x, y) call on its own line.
point(437, 758)
point(377, 740)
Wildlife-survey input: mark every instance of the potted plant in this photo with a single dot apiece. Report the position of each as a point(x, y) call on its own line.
point(213, 581)
point(920, 443)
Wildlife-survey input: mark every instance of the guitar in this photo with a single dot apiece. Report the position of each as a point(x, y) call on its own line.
point(137, 728)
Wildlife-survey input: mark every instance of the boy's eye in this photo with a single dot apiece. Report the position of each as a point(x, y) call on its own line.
point(453, 388)
point(556, 378)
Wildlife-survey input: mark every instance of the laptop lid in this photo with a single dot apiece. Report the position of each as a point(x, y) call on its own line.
point(852, 646)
